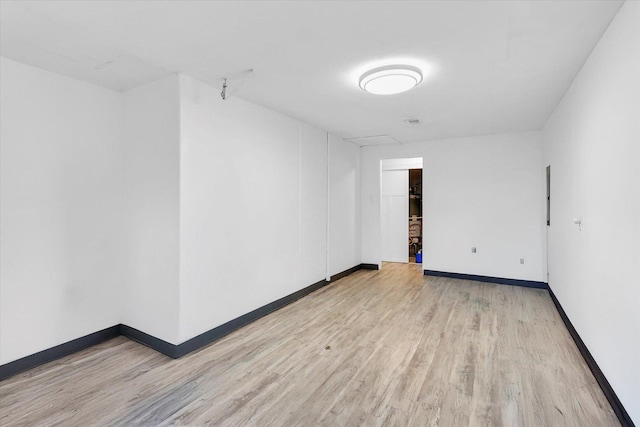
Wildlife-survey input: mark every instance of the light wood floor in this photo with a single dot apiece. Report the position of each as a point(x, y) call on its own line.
point(388, 347)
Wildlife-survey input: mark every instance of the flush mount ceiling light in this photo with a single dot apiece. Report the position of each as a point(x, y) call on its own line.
point(390, 79)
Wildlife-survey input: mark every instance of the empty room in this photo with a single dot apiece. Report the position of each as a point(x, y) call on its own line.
point(319, 213)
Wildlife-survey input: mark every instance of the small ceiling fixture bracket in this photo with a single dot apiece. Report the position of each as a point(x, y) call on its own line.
point(223, 94)
point(242, 76)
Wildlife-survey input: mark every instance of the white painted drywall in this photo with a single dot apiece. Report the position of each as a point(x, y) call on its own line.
point(151, 185)
point(253, 207)
point(394, 215)
point(482, 192)
point(592, 142)
point(344, 205)
point(60, 209)
point(106, 196)
point(401, 164)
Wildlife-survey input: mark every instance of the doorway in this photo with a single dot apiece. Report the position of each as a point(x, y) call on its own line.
point(415, 215)
point(401, 209)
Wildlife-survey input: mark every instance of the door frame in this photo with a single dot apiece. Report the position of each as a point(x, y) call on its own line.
point(398, 163)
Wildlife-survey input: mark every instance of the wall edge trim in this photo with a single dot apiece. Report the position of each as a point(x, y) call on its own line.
point(214, 334)
point(175, 351)
point(609, 393)
point(53, 353)
point(345, 273)
point(488, 279)
point(157, 344)
point(171, 350)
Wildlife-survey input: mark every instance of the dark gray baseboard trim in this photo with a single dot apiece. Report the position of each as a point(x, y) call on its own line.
point(164, 347)
point(45, 356)
point(216, 333)
point(616, 405)
point(353, 270)
point(345, 273)
point(157, 344)
point(232, 325)
point(488, 279)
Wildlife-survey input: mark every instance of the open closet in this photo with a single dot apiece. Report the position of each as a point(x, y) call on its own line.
point(401, 210)
point(415, 215)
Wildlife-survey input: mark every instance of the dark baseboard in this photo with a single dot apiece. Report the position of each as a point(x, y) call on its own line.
point(216, 333)
point(164, 347)
point(213, 334)
point(488, 279)
point(353, 270)
point(345, 273)
point(611, 396)
point(53, 353)
point(176, 351)
point(157, 344)
point(608, 391)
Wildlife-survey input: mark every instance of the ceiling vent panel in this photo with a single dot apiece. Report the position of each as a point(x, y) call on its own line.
point(373, 140)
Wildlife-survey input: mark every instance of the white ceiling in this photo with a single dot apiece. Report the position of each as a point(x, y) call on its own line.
point(491, 66)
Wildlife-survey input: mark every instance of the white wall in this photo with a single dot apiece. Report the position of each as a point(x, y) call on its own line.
point(344, 205)
point(401, 164)
point(253, 207)
point(164, 208)
point(151, 208)
point(60, 209)
point(480, 191)
point(592, 142)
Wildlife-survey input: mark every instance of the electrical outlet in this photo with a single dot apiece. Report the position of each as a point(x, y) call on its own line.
point(473, 250)
point(521, 260)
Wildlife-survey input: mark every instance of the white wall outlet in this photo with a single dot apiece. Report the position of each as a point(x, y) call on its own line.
point(521, 260)
point(473, 250)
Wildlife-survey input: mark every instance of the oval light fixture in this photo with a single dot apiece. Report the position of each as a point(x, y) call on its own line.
point(390, 79)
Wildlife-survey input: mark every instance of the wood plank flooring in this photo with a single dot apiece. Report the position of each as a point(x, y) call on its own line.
point(377, 348)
